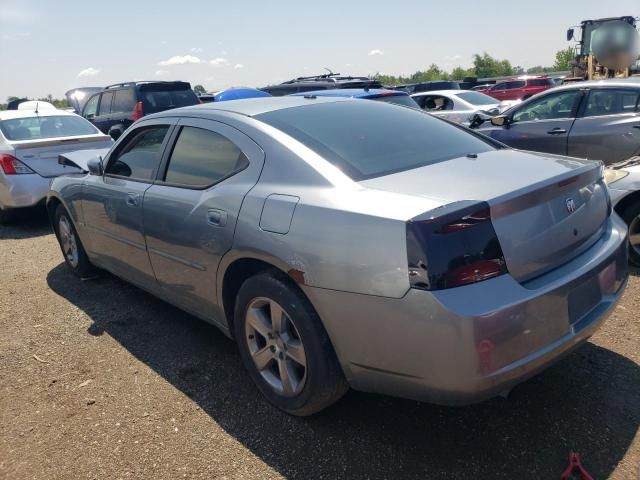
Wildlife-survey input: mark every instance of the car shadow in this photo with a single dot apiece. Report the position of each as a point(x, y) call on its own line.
point(589, 403)
point(29, 223)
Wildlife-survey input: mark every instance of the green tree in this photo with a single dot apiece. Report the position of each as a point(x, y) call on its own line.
point(199, 90)
point(458, 73)
point(563, 59)
point(487, 66)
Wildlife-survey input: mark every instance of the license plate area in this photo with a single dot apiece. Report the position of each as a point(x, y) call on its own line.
point(584, 298)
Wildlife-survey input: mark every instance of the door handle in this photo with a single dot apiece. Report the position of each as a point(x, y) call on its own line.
point(557, 131)
point(132, 199)
point(216, 217)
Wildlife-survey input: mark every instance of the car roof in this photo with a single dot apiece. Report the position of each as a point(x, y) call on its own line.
point(353, 93)
point(439, 92)
point(250, 106)
point(11, 114)
point(609, 82)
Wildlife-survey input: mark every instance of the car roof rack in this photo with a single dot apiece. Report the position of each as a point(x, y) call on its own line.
point(328, 77)
point(139, 82)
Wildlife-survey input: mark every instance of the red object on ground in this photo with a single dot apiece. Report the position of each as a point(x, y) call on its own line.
point(574, 464)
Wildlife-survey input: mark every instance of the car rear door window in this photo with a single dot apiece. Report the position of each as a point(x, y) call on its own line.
point(105, 103)
point(124, 101)
point(549, 107)
point(609, 101)
point(500, 86)
point(160, 100)
point(201, 158)
point(139, 155)
point(515, 84)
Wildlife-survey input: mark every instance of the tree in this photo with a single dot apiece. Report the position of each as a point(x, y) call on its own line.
point(458, 73)
point(199, 90)
point(563, 59)
point(487, 66)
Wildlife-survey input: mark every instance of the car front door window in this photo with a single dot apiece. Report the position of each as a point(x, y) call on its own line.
point(91, 108)
point(550, 107)
point(139, 155)
point(105, 104)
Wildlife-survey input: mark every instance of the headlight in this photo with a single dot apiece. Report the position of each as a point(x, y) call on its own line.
point(611, 175)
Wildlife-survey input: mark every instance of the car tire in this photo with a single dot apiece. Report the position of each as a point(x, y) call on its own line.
point(73, 252)
point(7, 216)
point(291, 361)
point(631, 216)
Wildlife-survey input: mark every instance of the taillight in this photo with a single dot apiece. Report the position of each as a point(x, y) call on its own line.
point(138, 111)
point(10, 165)
point(453, 246)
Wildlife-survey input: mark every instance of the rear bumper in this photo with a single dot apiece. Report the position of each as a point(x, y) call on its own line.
point(466, 344)
point(17, 191)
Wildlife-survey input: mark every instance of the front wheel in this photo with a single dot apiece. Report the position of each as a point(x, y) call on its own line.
point(631, 216)
point(74, 254)
point(284, 346)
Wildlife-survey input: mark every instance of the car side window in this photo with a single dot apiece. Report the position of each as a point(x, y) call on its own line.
point(124, 101)
point(549, 107)
point(500, 86)
point(516, 84)
point(610, 102)
point(140, 153)
point(105, 103)
point(201, 158)
point(91, 107)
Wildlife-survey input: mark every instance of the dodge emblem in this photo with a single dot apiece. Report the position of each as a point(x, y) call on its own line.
point(571, 205)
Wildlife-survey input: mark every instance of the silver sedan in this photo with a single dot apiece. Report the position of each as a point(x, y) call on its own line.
point(30, 142)
point(459, 106)
point(348, 243)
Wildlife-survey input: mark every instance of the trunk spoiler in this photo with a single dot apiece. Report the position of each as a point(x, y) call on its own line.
point(79, 158)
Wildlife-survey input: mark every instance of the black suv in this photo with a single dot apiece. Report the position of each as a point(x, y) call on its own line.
point(328, 81)
point(117, 106)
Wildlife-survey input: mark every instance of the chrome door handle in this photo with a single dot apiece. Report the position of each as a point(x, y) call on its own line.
point(557, 131)
point(216, 217)
point(132, 199)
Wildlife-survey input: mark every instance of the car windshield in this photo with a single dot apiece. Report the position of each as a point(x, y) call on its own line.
point(404, 100)
point(371, 139)
point(477, 98)
point(33, 128)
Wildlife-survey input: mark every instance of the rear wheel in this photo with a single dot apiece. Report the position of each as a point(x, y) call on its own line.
point(74, 254)
point(631, 215)
point(284, 346)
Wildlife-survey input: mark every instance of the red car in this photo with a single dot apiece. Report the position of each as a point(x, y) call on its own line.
point(519, 88)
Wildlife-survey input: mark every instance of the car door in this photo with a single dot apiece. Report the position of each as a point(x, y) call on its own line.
point(90, 109)
point(112, 203)
point(608, 127)
point(190, 212)
point(515, 90)
point(498, 91)
point(103, 116)
point(541, 124)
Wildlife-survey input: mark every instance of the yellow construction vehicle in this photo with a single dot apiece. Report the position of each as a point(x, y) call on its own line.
point(607, 48)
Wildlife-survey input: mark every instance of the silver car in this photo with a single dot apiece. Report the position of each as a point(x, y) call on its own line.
point(350, 243)
point(598, 120)
point(459, 106)
point(30, 142)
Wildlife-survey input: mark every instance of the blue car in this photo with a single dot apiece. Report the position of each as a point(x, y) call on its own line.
point(380, 94)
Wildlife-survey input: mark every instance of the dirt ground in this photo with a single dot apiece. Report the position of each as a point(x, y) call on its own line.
point(100, 380)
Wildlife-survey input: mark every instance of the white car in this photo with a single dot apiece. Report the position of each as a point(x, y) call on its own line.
point(30, 142)
point(459, 105)
point(623, 180)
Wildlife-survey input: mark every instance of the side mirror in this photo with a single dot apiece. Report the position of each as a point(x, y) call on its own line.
point(115, 133)
point(95, 166)
point(500, 121)
point(569, 34)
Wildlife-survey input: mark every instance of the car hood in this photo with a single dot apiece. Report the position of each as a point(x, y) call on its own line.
point(489, 176)
point(79, 158)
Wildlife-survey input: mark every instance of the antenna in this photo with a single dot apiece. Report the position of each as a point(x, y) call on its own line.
point(37, 103)
point(328, 70)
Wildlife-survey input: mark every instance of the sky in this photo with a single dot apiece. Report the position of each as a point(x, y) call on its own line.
point(49, 47)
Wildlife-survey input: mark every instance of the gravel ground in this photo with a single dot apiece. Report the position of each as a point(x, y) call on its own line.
point(101, 380)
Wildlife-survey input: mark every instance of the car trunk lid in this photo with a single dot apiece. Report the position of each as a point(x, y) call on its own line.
point(545, 209)
point(42, 155)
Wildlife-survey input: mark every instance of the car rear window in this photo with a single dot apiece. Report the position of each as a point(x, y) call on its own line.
point(160, 100)
point(371, 139)
point(33, 128)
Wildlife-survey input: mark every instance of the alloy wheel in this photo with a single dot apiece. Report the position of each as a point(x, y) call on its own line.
point(275, 346)
point(68, 241)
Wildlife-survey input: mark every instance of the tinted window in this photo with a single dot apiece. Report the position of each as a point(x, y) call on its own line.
point(124, 101)
point(610, 102)
point(476, 98)
point(105, 103)
point(558, 105)
point(500, 86)
point(404, 100)
point(91, 107)
point(516, 84)
point(541, 82)
point(139, 155)
point(158, 101)
point(370, 139)
point(201, 158)
point(46, 127)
